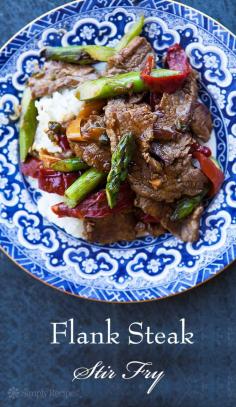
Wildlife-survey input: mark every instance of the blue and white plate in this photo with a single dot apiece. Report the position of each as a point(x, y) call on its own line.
point(148, 268)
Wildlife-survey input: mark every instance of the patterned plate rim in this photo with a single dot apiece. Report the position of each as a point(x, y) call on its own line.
point(180, 293)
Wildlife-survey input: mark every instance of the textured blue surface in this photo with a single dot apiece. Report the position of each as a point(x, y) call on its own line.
point(194, 376)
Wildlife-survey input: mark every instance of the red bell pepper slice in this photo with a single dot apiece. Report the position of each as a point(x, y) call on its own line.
point(211, 170)
point(96, 205)
point(162, 84)
point(55, 182)
point(31, 167)
point(177, 59)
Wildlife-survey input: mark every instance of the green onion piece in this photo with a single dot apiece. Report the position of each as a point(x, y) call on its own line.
point(135, 30)
point(28, 124)
point(69, 165)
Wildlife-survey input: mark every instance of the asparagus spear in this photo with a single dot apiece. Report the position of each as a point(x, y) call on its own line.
point(107, 87)
point(83, 186)
point(28, 123)
point(135, 30)
point(69, 165)
point(186, 206)
point(78, 54)
point(119, 167)
point(86, 54)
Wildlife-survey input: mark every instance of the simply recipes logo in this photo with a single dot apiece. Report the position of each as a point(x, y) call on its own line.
point(137, 333)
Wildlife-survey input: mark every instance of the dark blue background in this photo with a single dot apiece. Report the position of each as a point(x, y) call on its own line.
point(199, 375)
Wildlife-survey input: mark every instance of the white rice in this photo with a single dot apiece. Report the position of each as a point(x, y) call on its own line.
point(72, 226)
point(60, 107)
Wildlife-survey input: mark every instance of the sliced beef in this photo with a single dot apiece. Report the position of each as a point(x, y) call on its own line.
point(157, 210)
point(93, 127)
point(94, 154)
point(131, 58)
point(122, 117)
point(201, 123)
point(180, 178)
point(175, 110)
point(168, 151)
point(143, 229)
point(186, 229)
point(110, 229)
point(57, 75)
point(139, 177)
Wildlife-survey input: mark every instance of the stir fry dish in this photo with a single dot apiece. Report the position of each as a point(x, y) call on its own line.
point(119, 139)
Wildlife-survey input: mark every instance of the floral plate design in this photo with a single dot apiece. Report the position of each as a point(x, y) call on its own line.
point(148, 268)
